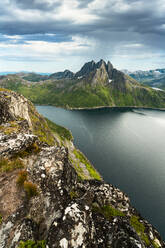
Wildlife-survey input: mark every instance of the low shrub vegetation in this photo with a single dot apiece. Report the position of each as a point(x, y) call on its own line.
point(32, 149)
point(140, 229)
point(12, 128)
point(73, 194)
point(108, 211)
point(93, 173)
point(32, 244)
point(7, 165)
point(22, 177)
point(30, 189)
point(1, 218)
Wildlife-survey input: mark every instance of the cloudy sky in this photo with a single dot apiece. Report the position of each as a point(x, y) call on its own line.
point(52, 35)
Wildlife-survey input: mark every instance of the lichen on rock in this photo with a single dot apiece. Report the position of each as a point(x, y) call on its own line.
point(65, 210)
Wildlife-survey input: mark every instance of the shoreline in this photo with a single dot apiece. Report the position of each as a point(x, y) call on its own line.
point(103, 107)
point(116, 107)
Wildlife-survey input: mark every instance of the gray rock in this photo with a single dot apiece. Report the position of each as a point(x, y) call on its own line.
point(66, 212)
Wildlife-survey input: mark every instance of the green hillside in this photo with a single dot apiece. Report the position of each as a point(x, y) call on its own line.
point(102, 85)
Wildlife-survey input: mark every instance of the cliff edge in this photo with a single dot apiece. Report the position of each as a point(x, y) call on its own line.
point(50, 194)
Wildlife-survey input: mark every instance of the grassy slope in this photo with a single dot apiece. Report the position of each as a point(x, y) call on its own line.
point(75, 95)
point(61, 131)
point(40, 126)
point(83, 167)
point(145, 97)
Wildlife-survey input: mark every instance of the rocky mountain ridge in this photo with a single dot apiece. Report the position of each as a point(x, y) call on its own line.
point(44, 200)
point(95, 85)
point(151, 78)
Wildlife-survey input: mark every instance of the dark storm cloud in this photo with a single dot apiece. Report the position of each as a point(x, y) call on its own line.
point(28, 28)
point(114, 22)
point(48, 38)
point(36, 37)
point(137, 20)
point(34, 4)
point(84, 3)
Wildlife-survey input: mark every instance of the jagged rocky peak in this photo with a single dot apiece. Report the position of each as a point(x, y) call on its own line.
point(43, 200)
point(87, 68)
point(100, 73)
point(96, 72)
point(100, 63)
point(110, 69)
point(92, 67)
point(107, 66)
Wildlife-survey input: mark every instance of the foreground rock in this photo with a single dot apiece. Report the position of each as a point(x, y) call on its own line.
point(45, 202)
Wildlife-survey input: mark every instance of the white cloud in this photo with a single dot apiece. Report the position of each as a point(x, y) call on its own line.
point(134, 45)
point(110, 29)
point(97, 4)
point(69, 11)
point(47, 50)
point(42, 47)
point(15, 37)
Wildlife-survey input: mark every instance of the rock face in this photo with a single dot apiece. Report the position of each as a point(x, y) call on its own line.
point(102, 73)
point(44, 202)
point(14, 106)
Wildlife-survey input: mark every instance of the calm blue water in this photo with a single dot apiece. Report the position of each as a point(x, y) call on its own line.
point(127, 148)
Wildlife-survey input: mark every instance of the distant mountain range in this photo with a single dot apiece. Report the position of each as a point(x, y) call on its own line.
point(94, 85)
point(60, 75)
point(23, 72)
point(152, 78)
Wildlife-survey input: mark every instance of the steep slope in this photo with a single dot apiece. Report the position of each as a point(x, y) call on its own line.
point(21, 113)
point(43, 201)
point(95, 85)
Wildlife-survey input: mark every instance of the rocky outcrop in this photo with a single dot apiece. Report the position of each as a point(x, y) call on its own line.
point(15, 107)
point(44, 202)
point(12, 106)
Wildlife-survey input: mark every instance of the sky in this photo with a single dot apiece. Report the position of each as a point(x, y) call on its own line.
point(53, 35)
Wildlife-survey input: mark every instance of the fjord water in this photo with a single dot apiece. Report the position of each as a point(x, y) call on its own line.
point(127, 147)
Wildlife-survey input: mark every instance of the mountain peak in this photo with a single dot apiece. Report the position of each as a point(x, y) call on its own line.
point(100, 63)
point(86, 69)
point(91, 66)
